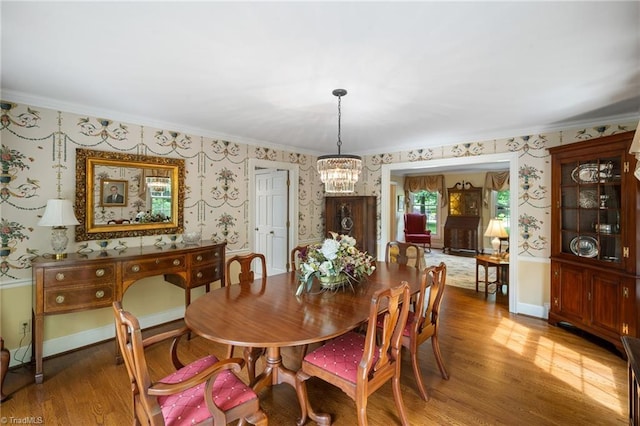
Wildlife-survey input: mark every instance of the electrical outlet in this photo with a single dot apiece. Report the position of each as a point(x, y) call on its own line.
point(24, 328)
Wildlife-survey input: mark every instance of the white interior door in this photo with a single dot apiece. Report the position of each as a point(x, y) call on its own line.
point(271, 218)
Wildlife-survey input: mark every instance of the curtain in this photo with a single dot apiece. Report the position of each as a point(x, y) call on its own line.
point(145, 173)
point(495, 181)
point(433, 183)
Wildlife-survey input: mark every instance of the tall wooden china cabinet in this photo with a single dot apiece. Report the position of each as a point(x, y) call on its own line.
point(594, 237)
point(353, 215)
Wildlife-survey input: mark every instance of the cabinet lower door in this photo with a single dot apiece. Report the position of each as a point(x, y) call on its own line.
point(606, 300)
point(570, 299)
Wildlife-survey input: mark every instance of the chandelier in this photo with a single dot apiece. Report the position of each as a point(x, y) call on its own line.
point(340, 172)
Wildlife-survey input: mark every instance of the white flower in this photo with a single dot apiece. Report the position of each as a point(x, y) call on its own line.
point(330, 249)
point(350, 241)
point(326, 267)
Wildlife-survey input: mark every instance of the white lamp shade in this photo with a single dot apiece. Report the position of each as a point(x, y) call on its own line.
point(495, 229)
point(635, 145)
point(635, 150)
point(58, 213)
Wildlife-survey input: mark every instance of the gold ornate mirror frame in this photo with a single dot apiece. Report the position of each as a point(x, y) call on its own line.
point(102, 217)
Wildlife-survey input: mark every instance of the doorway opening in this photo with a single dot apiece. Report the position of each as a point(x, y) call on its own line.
point(441, 166)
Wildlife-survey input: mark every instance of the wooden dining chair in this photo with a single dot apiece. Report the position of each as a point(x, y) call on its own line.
point(405, 254)
point(295, 259)
point(355, 363)
point(246, 276)
point(206, 390)
point(422, 323)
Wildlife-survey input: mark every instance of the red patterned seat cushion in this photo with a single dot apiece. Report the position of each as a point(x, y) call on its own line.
point(341, 355)
point(189, 406)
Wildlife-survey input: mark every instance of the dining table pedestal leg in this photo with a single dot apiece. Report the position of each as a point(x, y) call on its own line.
point(276, 373)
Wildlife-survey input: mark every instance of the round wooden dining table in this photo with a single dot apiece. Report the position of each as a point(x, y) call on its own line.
point(268, 314)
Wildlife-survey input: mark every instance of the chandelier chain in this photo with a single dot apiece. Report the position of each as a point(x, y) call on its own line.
point(339, 120)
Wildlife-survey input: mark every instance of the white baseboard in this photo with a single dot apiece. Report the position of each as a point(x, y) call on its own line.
point(533, 310)
point(89, 337)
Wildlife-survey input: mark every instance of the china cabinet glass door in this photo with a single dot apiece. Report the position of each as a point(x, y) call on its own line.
point(591, 209)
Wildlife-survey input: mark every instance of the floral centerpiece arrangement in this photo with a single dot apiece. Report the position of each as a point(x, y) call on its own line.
point(335, 262)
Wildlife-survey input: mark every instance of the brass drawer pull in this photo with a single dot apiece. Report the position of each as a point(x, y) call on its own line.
point(59, 299)
point(199, 275)
point(157, 261)
point(99, 294)
point(99, 272)
point(135, 268)
point(199, 258)
point(216, 254)
point(176, 262)
point(59, 276)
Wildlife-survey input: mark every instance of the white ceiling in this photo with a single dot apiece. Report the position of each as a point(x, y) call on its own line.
point(418, 74)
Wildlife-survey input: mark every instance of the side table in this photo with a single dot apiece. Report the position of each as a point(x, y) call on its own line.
point(486, 261)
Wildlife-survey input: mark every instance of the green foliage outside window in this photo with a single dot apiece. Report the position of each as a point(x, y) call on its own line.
point(503, 210)
point(426, 202)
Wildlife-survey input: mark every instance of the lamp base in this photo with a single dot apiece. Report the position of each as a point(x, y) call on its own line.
point(495, 244)
point(59, 241)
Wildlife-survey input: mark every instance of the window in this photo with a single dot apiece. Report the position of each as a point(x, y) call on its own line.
point(159, 195)
point(426, 202)
point(501, 207)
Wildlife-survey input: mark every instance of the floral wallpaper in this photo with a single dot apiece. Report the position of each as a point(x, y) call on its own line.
point(38, 158)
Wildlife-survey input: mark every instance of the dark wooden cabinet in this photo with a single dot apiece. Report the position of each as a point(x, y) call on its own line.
point(463, 219)
point(594, 237)
point(354, 216)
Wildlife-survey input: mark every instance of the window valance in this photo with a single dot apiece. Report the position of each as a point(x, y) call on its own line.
point(432, 183)
point(495, 181)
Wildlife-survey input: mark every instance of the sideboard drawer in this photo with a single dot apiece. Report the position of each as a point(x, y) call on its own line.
point(205, 275)
point(78, 297)
point(207, 256)
point(90, 274)
point(133, 270)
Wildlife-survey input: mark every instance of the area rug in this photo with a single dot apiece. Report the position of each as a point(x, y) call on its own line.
point(461, 270)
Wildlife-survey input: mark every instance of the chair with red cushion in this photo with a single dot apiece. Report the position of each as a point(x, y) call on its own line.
point(415, 230)
point(422, 323)
point(356, 363)
point(204, 390)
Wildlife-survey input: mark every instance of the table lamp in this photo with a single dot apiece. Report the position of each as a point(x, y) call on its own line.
point(59, 214)
point(497, 231)
point(635, 150)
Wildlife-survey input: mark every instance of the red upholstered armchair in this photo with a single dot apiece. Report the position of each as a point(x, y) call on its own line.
point(415, 231)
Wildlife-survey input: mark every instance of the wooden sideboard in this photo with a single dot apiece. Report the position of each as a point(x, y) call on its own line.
point(91, 281)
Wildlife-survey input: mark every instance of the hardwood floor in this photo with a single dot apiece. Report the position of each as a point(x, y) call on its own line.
point(505, 369)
